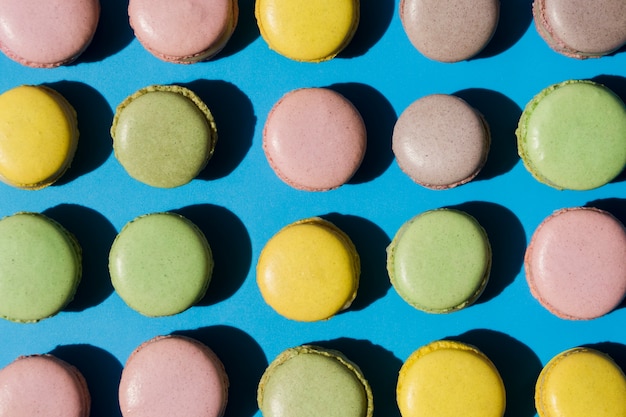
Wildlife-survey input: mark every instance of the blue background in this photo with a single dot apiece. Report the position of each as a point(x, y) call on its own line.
point(239, 203)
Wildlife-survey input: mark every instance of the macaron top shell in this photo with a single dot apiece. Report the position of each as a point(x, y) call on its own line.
point(314, 139)
point(581, 382)
point(183, 31)
point(440, 141)
point(450, 379)
point(49, 33)
point(572, 135)
point(576, 263)
point(449, 30)
point(307, 30)
point(38, 385)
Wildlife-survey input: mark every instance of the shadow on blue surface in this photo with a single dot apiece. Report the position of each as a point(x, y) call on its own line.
point(375, 18)
point(113, 33)
point(245, 33)
point(85, 223)
point(370, 242)
point(517, 364)
point(230, 245)
point(243, 360)
point(515, 19)
point(101, 370)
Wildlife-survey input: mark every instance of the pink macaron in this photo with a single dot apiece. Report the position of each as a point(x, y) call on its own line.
point(183, 31)
point(39, 385)
point(46, 34)
point(576, 263)
point(173, 376)
point(314, 139)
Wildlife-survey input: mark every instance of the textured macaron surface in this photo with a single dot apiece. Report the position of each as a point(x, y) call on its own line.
point(581, 382)
point(440, 260)
point(576, 263)
point(572, 135)
point(450, 379)
point(160, 264)
point(40, 267)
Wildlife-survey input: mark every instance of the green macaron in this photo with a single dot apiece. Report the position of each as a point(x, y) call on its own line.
point(40, 267)
point(440, 260)
point(572, 135)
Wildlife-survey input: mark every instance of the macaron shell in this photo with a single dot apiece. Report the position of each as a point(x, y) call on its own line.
point(450, 379)
point(173, 376)
point(183, 31)
point(49, 33)
point(307, 30)
point(43, 385)
point(581, 382)
point(449, 30)
point(314, 139)
point(576, 263)
point(38, 136)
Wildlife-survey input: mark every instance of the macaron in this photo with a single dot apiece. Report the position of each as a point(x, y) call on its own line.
point(307, 30)
point(572, 135)
point(314, 139)
point(314, 381)
point(581, 29)
point(447, 378)
point(440, 260)
point(173, 376)
point(449, 30)
point(576, 263)
point(38, 136)
point(163, 135)
point(309, 270)
point(47, 34)
point(40, 267)
point(581, 382)
point(440, 141)
point(185, 31)
point(160, 264)
point(37, 385)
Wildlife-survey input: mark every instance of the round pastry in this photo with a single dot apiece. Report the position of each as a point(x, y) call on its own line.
point(314, 139)
point(40, 267)
point(38, 136)
point(160, 264)
point(307, 30)
point(183, 32)
point(43, 385)
point(572, 135)
point(163, 135)
point(314, 381)
point(576, 263)
point(47, 34)
point(309, 270)
point(173, 376)
point(449, 379)
point(581, 29)
point(449, 30)
point(440, 141)
point(439, 261)
point(581, 382)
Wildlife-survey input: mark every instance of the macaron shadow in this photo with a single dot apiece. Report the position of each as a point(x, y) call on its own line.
point(245, 32)
point(379, 366)
point(101, 370)
point(517, 364)
point(94, 116)
point(515, 19)
point(371, 243)
point(502, 115)
point(95, 234)
point(508, 244)
point(379, 117)
point(243, 360)
point(112, 34)
point(231, 247)
point(375, 18)
point(235, 119)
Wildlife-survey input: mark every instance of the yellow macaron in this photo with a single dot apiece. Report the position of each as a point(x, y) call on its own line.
point(307, 30)
point(309, 270)
point(38, 136)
